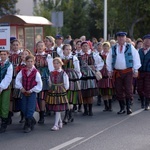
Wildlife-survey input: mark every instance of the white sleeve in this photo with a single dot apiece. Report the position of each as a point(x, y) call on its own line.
point(59, 52)
point(77, 66)
point(7, 79)
point(39, 85)
point(18, 81)
point(66, 81)
point(136, 58)
point(99, 63)
point(50, 62)
point(109, 61)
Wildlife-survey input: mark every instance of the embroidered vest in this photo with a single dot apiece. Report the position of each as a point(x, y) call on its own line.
point(15, 59)
point(145, 61)
point(3, 70)
point(89, 60)
point(56, 78)
point(40, 61)
point(68, 63)
point(28, 82)
point(127, 54)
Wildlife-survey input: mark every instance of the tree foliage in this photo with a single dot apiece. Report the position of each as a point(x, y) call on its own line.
point(7, 7)
point(85, 17)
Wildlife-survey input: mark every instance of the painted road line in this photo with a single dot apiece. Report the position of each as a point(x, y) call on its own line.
point(67, 143)
point(116, 124)
point(136, 112)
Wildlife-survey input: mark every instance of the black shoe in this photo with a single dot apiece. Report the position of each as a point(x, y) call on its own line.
point(99, 100)
point(85, 110)
point(41, 120)
point(106, 106)
point(90, 110)
point(9, 121)
point(121, 112)
point(70, 118)
point(65, 120)
point(3, 125)
point(129, 111)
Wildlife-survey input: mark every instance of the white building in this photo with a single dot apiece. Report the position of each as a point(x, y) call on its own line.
point(26, 7)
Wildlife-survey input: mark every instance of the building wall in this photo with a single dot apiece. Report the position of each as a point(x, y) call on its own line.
point(26, 7)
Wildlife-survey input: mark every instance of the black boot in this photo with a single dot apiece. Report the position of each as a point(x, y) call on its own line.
point(147, 107)
point(80, 108)
point(85, 110)
point(109, 105)
point(22, 117)
point(33, 123)
point(99, 100)
point(10, 114)
point(28, 125)
point(106, 105)
point(25, 124)
point(41, 120)
point(142, 101)
point(122, 107)
point(90, 110)
point(65, 120)
point(128, 106)
point(3, 125)
point(70, 119)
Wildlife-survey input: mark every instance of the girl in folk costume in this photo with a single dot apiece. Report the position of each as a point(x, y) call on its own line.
point(15, 58)
point(44, 64)
point(50, 46)
point(89, 63)
point(17, 92)
point(78, 49)
point(29, 82)
point(57, 95)
point(6, 72)
point(105, 85)
point(72, 68)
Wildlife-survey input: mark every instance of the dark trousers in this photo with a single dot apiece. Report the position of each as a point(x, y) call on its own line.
point(123, 86)
point(143, 84)
point(28, 105)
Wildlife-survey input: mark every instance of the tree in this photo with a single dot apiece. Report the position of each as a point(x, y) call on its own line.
point(7, 7)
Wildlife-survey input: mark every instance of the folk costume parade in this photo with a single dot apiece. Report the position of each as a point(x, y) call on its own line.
point(60, 77)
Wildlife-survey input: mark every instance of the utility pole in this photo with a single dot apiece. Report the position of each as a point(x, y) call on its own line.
point(105, 20)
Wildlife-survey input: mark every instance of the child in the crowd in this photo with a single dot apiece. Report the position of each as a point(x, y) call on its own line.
point(14, 58)
point(50, 46)
point(44, 64)
point(17, 92)
point(72, 68)
point(6, 72)
point(57, 95)
point(106, 85)
point(29, 82)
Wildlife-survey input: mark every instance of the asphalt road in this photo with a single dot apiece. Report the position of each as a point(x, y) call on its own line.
point(103, 131)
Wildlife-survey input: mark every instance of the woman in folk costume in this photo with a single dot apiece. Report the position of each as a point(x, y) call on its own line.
point(72, 68)
point(57, 95)
point(44, 64)
point(6, 73)
point(105, 85)
point(17, 92)
point(77, 51)
point(50, 46)
point(89, 63)
point(14, 58)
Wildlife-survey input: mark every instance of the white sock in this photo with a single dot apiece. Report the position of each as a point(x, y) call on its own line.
point(60, 120)
point(57, 118)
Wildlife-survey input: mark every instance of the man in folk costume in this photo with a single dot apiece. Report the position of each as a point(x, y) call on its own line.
point(6, 73)
point(123, 63)
point(143, 82)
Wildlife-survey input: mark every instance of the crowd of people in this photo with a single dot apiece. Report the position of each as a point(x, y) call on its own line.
point(64, 75)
